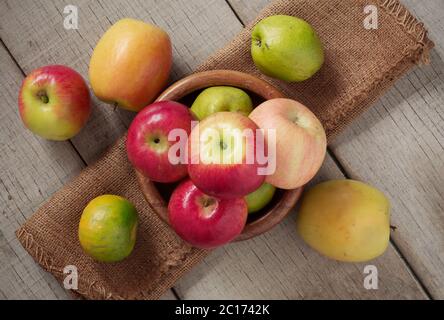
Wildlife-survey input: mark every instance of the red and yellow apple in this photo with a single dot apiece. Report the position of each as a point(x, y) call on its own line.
point(54, 102)
point(301, 142)
point(222, 158)
point(148, 144)
point(130, 64)
point(205, 221)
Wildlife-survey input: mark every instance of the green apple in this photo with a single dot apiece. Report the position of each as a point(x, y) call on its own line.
point(286, 48)
point(260, 198)
point(221, 98)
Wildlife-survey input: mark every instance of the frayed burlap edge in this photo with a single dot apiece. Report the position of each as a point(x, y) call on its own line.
point(189, 258)
point(416, 54)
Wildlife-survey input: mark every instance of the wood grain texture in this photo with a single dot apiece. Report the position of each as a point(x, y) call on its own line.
point(34, 33)
point(432, 14)
point(31, 170)
point(398, 147)
point(246, 10)
point(279, 265)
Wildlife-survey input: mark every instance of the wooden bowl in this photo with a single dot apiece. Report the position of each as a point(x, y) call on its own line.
point(185, 91)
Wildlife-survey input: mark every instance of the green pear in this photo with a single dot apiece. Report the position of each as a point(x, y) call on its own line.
point(260, 198)
point(286, 48)
point(221, 98)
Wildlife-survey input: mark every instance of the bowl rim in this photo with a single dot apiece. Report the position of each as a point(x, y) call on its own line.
point(205, 79)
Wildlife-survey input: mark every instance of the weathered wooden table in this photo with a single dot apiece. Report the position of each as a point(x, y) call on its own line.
point(397, 146)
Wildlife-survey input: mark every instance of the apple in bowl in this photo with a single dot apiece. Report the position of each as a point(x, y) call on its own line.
point(222, 158)
point(260, 198)
point(205, 221)
point(301, 142)
point(185, 91)
point(221, 98)
point(148, 144)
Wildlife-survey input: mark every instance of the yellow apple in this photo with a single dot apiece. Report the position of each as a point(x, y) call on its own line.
point(130, 64)
point(345, 220)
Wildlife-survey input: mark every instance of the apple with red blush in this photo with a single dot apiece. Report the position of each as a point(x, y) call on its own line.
point(148, 144)
point(222, 158)
point(205, 221)
point(54, 102)
point(301, 143)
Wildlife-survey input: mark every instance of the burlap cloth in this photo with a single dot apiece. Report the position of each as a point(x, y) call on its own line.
point(360, 64)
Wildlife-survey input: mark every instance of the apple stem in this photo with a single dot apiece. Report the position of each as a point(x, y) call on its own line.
point(208, 202)
point(43, 96)
point(115, 105)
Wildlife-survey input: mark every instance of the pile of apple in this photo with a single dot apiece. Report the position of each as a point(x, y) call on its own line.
point(221, 173)
point(210, 207)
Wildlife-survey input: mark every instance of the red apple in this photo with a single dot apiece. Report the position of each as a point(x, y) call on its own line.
point(54, 102)
point(300, 141)
point(147, 141)
point(205, 221)
point(222, 158)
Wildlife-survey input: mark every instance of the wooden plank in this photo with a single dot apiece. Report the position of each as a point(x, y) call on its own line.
point(31, 170)
point(34, 33)
point(432, 14)
point(398, 147)
point(279, 265)
point(246, 10)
